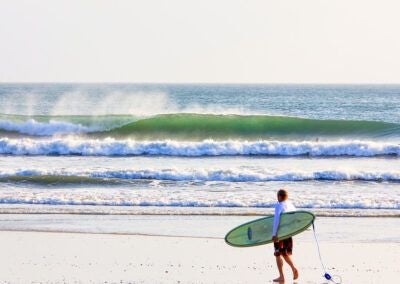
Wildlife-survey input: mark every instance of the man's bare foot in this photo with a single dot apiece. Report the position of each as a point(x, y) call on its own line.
point(279, 280)
point(295, 274)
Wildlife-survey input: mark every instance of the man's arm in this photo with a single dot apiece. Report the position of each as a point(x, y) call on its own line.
point(277, 217)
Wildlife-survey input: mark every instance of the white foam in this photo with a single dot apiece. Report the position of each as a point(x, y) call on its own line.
point(53, 127)
point(192, 198)
point(231, 175)
point(112, 147)
point(203, 187)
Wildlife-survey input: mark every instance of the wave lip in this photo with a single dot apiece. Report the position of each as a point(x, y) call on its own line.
point(112, 147)
point(232, 175)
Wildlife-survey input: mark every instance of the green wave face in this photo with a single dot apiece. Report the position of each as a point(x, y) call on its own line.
point(255, 126)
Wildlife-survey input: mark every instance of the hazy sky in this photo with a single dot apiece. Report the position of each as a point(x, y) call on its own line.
point(300, 41)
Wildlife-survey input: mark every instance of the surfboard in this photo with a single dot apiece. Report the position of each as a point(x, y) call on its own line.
point(259, 232)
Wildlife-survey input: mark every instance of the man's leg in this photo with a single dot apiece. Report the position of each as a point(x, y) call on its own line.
point(279, 264)
point(289, 261)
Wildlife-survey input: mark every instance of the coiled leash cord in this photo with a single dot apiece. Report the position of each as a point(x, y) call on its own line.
point(326, 275)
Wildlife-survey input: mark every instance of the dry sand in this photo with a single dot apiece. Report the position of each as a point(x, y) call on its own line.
point(40, 257)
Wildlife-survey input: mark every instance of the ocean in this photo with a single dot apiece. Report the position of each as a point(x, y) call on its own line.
point(192, 148)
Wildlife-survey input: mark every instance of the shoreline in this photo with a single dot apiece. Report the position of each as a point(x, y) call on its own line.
point(352, 229)
point(184, 211)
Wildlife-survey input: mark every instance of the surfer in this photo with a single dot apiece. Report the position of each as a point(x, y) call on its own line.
point(283, 248)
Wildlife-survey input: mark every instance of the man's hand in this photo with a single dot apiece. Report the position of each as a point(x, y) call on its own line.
point(275, 239)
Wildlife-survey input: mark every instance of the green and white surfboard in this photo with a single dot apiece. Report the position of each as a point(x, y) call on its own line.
point(259, 232)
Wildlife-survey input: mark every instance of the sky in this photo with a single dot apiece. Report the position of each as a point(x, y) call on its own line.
point(187, 41)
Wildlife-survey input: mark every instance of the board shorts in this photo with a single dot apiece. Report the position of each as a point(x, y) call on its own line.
point(283, 247)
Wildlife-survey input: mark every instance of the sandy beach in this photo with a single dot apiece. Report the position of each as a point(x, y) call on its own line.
point(66, 257)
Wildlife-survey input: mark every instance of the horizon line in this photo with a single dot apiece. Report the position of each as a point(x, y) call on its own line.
point(195, 83)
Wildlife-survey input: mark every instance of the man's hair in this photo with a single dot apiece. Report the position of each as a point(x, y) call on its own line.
point(283, 194)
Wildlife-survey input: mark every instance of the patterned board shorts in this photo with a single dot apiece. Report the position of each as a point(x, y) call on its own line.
point(283, 247)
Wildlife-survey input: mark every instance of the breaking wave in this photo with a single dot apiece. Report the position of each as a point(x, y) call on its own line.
point(231, 175)
point(129, 147)
point(195, 126)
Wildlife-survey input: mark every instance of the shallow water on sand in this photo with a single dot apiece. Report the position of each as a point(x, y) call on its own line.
point(352, 229)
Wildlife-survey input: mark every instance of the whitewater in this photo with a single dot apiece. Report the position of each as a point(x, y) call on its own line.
point(113, 147)
point(232, 175)
point(334, 147)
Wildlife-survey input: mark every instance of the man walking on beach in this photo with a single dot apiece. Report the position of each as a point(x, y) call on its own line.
point(283, 248)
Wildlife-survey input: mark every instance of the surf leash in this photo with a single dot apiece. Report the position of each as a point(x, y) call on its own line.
point(336, 279)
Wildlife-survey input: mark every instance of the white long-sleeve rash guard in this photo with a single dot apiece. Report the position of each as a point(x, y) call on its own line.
point(280, 207)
